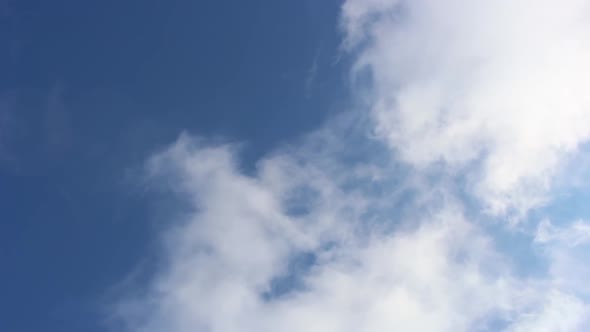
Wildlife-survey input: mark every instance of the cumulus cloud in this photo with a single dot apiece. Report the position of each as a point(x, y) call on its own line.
point(341, 232)
point(253, 254)
point(496, 89)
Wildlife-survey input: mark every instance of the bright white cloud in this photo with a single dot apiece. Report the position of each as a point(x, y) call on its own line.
point(493, 88)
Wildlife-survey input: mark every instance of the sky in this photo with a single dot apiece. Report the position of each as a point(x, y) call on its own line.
point(355, 165)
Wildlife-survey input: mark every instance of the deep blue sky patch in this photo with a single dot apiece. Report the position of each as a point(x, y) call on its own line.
point(90, 88)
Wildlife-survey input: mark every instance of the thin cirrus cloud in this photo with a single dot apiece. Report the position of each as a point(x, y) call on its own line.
point(340, 231)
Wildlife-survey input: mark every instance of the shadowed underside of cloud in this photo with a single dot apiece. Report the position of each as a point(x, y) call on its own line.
point(477, 105)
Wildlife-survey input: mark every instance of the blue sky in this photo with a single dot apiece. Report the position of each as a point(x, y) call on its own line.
point(357, 165)
point(90, 89)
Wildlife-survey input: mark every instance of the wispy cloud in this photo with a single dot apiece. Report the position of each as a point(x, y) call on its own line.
point(312, 74)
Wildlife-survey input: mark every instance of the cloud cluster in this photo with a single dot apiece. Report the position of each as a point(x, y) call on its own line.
point(496, 89)
point(341, 232)
point(295, 247)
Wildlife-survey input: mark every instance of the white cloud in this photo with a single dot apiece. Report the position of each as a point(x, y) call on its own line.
point(568, 250)
point(573, 235)
point(336, 233)
point(559, 312)
point(497, 88)
point(434, 271)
